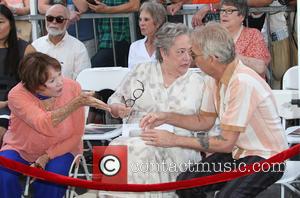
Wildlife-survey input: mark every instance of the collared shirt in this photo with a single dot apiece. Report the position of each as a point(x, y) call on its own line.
point(244, 104)
point(120, 27)
point(70, 52)
point(139, 54)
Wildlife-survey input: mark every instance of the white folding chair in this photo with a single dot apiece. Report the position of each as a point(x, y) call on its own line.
point(78, 161)
point(290, 176)
point(290, 78)
point(97, 79)
point(73, 172)
point(292, 172)
point(290, 82)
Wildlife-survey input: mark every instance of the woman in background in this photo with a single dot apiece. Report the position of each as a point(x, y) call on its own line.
point(166, 85)
point(152, 16)
point(249, 42)
point(12, 51)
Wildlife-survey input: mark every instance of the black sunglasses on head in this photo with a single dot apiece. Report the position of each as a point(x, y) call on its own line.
point(58, 19)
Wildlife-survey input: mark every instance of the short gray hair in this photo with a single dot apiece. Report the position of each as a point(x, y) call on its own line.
point(241, 6)
point(156, 10)
point(214, 40)
point(165, 36)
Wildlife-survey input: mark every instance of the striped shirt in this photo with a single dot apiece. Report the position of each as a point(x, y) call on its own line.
point(244, 103)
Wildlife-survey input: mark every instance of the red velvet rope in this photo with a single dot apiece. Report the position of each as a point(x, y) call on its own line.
point(220, 177)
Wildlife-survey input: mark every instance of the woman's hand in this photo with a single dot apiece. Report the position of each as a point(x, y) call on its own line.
point(153, 120)
point(199, 16)
point(41, 161)
point(161, 138)
point(88, 99)
point(173, 8)
point(119, 110)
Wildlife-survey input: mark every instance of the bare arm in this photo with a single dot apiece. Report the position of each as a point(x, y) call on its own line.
point(29, 49)
point(43, 6)
point(81, 5)
point(254, 63)
point(258, 3)
point(189, 122)
point(222, 143)
point(84, 99)
point(3, 104)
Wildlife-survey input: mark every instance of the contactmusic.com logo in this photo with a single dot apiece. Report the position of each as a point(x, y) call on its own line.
point(110, 164)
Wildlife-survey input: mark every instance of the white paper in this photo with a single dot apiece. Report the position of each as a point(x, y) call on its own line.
point(134, 130)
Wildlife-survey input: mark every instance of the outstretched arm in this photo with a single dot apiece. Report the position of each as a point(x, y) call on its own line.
point(222, 143)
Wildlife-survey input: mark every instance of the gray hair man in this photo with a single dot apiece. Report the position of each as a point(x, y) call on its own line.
point(69, 51)
point(250, 129)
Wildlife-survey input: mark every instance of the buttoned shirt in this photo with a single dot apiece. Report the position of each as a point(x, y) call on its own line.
point(70, 52)
point(244, 103)
point(139, 54)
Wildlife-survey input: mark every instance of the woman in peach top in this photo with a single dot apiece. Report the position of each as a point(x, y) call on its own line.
point(46, 125)
point(249, 42)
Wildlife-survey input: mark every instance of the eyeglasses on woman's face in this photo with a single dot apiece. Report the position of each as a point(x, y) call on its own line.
point(228, 11)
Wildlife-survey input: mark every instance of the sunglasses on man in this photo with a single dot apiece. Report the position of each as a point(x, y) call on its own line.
point(58, 19)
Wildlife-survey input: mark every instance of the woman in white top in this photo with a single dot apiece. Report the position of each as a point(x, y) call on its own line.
point(152, 16)
point(168, 86)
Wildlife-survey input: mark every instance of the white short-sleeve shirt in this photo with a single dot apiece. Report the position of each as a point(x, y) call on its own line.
point(70, 52)
point(138, 54)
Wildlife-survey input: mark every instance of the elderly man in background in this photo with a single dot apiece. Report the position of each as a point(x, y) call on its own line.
point(250, 126)
point(69, 51)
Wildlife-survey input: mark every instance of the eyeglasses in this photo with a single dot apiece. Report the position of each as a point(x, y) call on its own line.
point(182, 52)
point(137, 93)
point(227, 11)
point(58, 19)
point(194, 56)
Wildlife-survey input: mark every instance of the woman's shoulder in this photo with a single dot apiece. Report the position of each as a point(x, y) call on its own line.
point(250, 31)
point(69, 83)
point(138, 42)
point(18, 90)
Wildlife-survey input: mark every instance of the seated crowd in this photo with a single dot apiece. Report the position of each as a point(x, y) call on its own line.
point(223, 113)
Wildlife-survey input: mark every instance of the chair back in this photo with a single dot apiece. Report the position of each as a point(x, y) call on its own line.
point(97, 79)
point(290, 78)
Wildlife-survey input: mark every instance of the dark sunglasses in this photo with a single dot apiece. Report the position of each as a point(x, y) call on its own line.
point(58, 19)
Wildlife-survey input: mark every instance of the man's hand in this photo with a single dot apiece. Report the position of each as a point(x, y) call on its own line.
point(161, 138)
point(153, 120)
point(119, 110)
point(173, 8)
